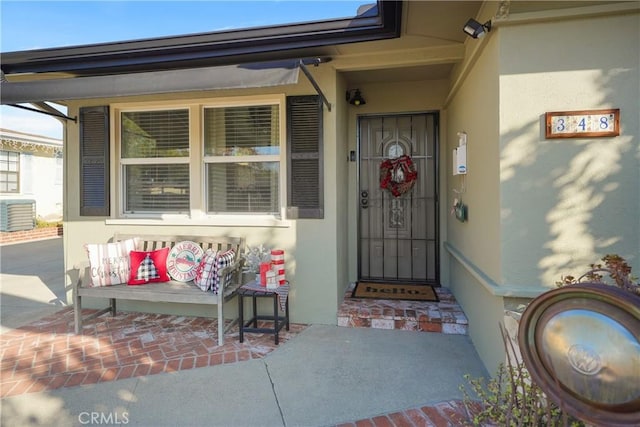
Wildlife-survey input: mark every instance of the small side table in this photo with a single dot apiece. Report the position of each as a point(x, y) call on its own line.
point(280, 298)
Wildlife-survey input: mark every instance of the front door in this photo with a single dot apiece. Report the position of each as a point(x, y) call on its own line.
point(398, 233)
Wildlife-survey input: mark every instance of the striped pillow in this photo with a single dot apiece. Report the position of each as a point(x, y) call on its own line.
point(109, 262)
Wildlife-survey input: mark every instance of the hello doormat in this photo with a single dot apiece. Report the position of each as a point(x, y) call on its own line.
point(394, 291)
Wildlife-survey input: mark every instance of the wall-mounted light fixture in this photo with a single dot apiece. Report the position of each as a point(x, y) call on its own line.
point(354, 97)
point(475, 29)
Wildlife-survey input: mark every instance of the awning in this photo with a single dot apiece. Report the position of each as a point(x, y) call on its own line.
point(240, 76)
point(156, 82)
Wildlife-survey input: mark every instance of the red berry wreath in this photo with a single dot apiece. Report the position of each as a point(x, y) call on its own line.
point(398, 175)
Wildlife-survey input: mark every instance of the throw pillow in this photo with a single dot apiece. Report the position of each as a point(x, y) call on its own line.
point(206, 270)
point(183, 260)
point(109, 262)
point(223, 259)
point(149, 267)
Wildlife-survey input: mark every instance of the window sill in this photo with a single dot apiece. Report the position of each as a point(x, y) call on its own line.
point(230, 221)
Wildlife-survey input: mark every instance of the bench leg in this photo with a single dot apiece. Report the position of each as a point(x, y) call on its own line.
point(113, 307)
point(77, 313)
point(221, 322)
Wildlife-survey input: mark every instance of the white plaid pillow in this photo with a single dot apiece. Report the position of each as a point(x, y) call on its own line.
point(206, 270)
point(147, 269)
point(223, 260)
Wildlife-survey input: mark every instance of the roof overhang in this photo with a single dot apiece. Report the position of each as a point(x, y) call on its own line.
point(208, 49)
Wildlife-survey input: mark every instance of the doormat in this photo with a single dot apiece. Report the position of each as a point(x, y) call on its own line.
point(394, 291)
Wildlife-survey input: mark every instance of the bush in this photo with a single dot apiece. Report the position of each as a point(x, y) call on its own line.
point(617, 269)
point(41, 223)
point(511, 398)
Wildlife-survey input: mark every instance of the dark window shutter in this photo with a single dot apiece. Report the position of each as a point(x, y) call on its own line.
point(305, 191)
point(94, 161)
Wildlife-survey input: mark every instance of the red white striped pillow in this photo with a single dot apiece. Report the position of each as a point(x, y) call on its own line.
point(109, 262)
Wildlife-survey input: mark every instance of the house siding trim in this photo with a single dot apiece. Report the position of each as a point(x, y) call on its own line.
point(489, 284)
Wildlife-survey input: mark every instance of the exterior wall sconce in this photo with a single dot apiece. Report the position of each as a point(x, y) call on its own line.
point(355, 99)
point(475, 29)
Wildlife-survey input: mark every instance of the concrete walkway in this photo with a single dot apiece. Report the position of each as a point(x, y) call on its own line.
point(320, 375)
point(31, 281)
point(326, 375)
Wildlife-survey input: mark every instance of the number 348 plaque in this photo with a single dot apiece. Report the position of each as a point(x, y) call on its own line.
point(582, 124)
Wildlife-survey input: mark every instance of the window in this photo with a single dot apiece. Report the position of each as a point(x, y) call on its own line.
point(155, 161)
point(242, 159)
point(9, 171)
point(200, 160)
point(228, 154)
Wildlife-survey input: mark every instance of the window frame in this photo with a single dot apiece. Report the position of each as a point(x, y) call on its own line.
point(197, 212)
point(9, 172)
point(141, 161)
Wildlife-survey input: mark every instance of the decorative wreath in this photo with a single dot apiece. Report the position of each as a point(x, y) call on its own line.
point(398, 175)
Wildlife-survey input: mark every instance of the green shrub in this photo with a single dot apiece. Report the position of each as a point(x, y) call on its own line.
point(41, 223)
point(511, 398)
point(614, 266)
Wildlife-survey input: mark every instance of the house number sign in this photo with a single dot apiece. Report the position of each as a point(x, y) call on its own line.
point(582, 124)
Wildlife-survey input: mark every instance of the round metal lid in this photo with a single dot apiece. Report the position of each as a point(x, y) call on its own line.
point(581, 345)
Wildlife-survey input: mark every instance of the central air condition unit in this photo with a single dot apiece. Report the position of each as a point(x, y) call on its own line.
point(16, 215)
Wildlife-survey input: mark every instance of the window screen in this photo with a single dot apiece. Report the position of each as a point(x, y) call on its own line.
point(155, 161)
point(242, 159)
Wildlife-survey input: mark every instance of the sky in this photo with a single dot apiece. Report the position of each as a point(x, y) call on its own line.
point(26, 25)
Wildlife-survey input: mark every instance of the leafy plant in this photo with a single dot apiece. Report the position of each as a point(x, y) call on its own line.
point(41, 223)
point(614, 266)
point(511, 398)
point(253, 256)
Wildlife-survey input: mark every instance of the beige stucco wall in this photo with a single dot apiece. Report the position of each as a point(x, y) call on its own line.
point(541, 208)
point(313, 253)
point(474, 109)
point(568, 202)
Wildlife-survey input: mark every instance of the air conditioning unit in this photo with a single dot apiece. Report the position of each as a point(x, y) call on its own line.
point(16, 215)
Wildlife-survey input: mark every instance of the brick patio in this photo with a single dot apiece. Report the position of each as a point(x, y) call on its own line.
point(47, 355)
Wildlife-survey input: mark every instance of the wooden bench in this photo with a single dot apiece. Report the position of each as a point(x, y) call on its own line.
point(173, 291)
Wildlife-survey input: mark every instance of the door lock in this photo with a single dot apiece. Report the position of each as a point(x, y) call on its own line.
point(364, 199)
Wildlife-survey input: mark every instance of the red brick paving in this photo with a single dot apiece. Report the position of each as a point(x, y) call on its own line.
point(445, 414)
point(47, 355)
point(445, 316)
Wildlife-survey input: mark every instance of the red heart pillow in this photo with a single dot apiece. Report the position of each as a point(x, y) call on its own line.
point(148, 267)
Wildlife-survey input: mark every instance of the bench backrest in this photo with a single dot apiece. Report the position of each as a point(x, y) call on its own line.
point(150, 242)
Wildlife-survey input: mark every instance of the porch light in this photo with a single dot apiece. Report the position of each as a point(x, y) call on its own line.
point(356, 99)
point(475, 29)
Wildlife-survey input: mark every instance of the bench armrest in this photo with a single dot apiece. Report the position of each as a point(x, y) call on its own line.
point(82, 268)
point(234, 271)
